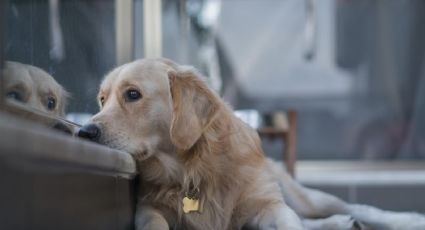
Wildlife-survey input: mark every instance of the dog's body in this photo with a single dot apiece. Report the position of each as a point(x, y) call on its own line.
point(233, 181)
point(188, 143)
point(185, 139)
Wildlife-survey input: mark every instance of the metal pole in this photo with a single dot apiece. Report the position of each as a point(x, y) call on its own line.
point(152, 13)
point(3, 32)
point(124, 31)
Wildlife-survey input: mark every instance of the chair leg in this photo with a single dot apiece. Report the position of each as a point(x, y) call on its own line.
point(290, 152)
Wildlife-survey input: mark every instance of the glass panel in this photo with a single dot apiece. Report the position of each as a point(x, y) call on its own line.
point(353, 70)
point(56, 53)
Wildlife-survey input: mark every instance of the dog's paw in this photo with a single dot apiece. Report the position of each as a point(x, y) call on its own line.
point(141, 155)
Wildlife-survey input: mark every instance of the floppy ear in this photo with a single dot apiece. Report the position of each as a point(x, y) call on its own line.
point(194, 108)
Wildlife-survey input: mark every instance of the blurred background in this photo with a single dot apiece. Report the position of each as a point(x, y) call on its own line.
point(353, 70)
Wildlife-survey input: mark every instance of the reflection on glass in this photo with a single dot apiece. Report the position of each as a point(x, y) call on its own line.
point(361, 96)
point(34, 87)
point(73, 41)
point(31, 87)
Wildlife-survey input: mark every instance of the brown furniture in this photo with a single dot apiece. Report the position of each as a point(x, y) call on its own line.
point(50, 180)
point(288, 135)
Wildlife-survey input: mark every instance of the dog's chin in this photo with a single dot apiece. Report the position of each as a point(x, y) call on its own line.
point(113, 144)
point(139, 153)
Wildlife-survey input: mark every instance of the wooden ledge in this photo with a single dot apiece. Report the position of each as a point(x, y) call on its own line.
point(23, 139)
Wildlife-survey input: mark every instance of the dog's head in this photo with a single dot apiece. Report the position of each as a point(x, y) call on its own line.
point(152, 105)
point(33, 87)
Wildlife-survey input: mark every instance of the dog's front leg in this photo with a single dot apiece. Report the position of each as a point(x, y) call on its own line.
point(148, 218)
point(276, 217)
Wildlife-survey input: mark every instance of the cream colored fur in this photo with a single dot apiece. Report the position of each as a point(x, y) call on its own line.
point(184, 136)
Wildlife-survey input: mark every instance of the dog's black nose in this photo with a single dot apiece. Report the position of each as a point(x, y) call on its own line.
point(89, 131)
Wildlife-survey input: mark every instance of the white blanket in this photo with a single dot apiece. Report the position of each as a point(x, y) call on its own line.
point(321, 210)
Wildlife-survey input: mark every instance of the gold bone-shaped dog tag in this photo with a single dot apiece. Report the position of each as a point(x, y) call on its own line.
point(190, 205)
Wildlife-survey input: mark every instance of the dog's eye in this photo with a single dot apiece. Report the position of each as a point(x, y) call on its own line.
point(132, 95)
point(14, 95)
point(51, 103)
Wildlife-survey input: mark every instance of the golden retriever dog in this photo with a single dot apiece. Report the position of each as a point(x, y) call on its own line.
point(203, 168)
point(200, 166)
point(32, 87)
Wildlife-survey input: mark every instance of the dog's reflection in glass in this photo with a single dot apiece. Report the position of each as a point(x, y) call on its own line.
point(34, 88)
